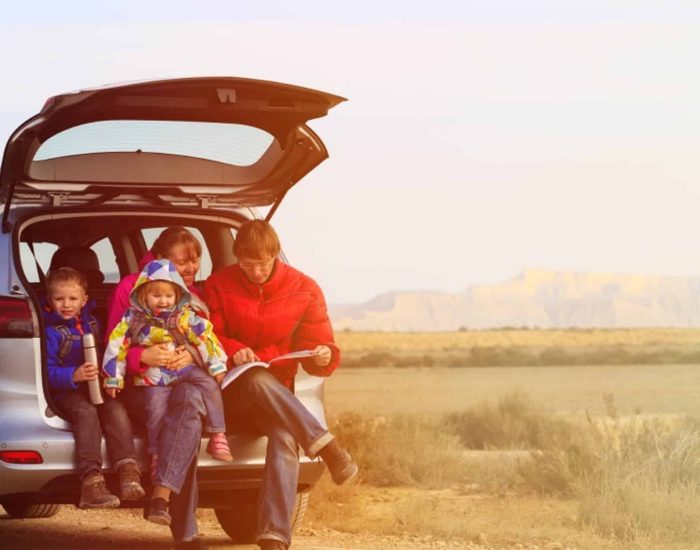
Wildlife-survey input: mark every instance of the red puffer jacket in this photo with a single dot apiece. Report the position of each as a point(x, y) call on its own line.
point(286, 313)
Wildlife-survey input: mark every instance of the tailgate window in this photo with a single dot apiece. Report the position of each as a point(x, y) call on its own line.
point(235, 144)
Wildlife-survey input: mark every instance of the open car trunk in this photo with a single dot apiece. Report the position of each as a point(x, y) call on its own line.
point(192, 141)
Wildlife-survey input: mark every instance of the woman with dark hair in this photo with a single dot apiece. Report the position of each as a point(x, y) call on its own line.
point(174, 477)
point(262, 308)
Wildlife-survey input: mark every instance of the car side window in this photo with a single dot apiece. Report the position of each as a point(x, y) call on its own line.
point(150, 235)
point(234, 232)
point(108, 264)
point(43, 253)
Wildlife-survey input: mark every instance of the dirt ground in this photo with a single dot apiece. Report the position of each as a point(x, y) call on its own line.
point(72, 528)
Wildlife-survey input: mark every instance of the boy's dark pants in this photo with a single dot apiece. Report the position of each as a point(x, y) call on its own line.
point(89, 422)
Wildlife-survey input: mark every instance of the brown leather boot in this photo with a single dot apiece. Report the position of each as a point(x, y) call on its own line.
point(130, 482)
point(339, 463)
point(94, 493)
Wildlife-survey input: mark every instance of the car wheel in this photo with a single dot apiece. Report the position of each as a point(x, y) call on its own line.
point(240, 523)
point(24, 509)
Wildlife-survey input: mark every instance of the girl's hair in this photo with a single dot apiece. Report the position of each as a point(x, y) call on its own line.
point(173, 236)
point(154, 286)
point(65, 275)
point(256, 239)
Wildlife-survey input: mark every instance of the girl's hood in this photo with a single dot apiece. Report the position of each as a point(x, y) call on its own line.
point(160, 270)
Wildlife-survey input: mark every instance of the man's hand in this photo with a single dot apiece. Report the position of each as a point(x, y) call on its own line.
point(85, 373)
point(245, 355)
point(324, 356)
point(219, 377)
point(112, 392)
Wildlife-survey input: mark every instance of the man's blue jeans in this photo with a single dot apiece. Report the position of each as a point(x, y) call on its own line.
point(257, 400)
point(178, 446)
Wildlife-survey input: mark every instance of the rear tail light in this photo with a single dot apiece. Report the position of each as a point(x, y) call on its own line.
point(15, 318)
point(21, 457)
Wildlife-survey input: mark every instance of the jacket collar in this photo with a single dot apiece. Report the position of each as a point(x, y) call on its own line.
point(54, 319)
point(269, 287)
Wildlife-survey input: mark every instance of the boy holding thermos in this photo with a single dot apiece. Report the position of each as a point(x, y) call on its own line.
point(72, 372)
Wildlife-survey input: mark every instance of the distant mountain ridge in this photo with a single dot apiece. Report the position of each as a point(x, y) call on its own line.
point(534, 298)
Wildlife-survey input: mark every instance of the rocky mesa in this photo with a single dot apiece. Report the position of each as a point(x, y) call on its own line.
point(534, 299)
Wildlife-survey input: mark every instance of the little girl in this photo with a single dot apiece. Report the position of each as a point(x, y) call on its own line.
point(161, 312)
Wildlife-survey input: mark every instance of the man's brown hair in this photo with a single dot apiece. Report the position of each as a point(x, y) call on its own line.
point(256, 239)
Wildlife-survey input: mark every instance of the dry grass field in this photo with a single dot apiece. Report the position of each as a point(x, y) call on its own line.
point(521, 347)
point(353, 342)
point(578, 456)
point(645, 389)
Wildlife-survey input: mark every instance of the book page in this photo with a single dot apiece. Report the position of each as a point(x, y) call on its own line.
point(236, 371)
point(295, 355)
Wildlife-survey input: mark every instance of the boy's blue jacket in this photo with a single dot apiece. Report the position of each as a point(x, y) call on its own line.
point(61, 369)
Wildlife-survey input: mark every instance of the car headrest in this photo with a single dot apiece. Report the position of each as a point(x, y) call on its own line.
point(80, 258)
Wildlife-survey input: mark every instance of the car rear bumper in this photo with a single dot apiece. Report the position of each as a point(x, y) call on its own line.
point(216, 480)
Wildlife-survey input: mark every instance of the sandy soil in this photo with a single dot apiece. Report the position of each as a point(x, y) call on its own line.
point(124, 529)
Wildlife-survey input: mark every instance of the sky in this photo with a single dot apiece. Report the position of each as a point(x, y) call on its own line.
point(479, 139)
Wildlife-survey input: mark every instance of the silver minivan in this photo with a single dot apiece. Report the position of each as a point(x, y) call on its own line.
point(107, 169)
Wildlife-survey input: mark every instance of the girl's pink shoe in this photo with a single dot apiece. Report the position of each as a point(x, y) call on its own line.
point(218, 448)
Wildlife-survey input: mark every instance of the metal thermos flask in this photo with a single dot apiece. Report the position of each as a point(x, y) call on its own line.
point(91, 357)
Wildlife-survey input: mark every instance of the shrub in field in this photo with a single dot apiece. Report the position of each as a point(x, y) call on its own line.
point(514, 422)
point(634, 478)
point(372, 359)
point(501, 356)
point(648, 484)
point(555, 356)
point(401, 450)
point(386, 359)
point(560, 471)
point(520, 347)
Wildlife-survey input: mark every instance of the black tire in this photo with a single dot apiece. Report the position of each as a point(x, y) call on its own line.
point(27, 510)
point(240, 523)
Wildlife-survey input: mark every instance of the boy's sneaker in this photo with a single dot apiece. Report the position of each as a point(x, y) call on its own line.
point(218, 448)
point(94, 493)
point(339, 463)
point(158, 512)
point(130, 482)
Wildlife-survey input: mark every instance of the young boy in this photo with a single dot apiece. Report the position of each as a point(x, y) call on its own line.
point(161, 312)
point(67, 316)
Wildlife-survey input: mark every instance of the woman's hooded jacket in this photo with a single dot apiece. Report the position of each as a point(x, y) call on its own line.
point(178, 326)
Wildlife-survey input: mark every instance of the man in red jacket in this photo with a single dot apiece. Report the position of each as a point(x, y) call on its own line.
point(262, 308)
